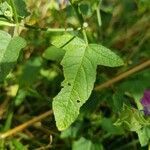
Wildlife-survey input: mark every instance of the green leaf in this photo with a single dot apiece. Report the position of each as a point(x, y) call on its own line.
point(118, 100)
point(79, 65)
point(93, 3)
point(108, 126)
point(21, 8)
point(20, 97)
point(144, 136)
point(143, 5)
point(53, 53)
point(84, 144)
point(4, 41)
point(9, 52)
point(72, 131)
point(6, 10)
point(105, 57)
point(18, 145)
point(8, 121)
point(61, 40)
point(131, 119)
point(30, 72)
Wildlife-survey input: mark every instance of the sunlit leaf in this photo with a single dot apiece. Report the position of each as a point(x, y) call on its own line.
point(9, 52)
point(131, 119)
point(79, 65)
point(83, 143)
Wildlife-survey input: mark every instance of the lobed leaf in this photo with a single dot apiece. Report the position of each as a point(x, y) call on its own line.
point(79, 65)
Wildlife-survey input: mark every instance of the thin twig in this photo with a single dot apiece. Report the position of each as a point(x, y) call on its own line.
point(25, 125)
point(26, 26)
point(123, 75)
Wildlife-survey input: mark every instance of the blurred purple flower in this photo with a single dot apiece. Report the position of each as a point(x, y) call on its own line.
point(146, 102)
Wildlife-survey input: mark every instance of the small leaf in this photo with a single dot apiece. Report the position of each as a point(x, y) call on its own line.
point(4, 41)
point(20, 97)
point(144, 136)
point(60, 41)
point(79, 65)
point(53, 53)
point(9, 50)
point(30, 72)
point(21, 8)
point(71, 132)
point(108, 126)
point(6, 10)
point(131, 119)
point(84, 144)
point(18, 145)
point(118, 100)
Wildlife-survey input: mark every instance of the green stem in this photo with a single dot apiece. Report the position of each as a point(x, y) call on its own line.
point(4, 23)
point(81, 20)
point(49, 29)
point(60, 29)
point(85, 36)
point(98, 16)
point(16, 30)
point(2, 144)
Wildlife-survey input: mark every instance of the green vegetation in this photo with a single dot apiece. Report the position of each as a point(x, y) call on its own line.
point(73, 74)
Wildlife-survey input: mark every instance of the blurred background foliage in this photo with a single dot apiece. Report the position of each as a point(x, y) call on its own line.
point(35, 80)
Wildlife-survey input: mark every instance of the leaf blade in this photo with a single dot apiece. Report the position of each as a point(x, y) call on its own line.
point(9, 54)
point(79, 65)
point(75, 75)
point(105, 56)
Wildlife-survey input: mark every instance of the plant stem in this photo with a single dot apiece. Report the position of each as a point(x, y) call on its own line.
point(98, 17)
point(85, 36)
point(25, 125)
point(4, 23)
point(16, 30)
point(81, 20)
point(99, 14)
